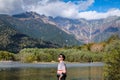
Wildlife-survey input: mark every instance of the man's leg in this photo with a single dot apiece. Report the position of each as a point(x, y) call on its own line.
point(63, 78)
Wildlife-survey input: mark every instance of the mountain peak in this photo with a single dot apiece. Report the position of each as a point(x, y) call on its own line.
point(27, 15)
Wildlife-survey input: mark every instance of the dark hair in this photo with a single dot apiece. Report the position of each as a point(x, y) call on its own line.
point(63, 56)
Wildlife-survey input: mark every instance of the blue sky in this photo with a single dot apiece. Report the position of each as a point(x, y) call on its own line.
point(101, 5)
point(105, 5)
point(75, 9)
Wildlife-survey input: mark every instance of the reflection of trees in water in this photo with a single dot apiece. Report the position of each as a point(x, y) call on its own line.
point(9, 74)
point(28, 74)
point(37, 74)
point(89, 73)
point(85, 73)
point(73, 73)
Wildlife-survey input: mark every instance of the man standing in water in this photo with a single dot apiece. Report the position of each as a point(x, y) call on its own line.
point(61, 70)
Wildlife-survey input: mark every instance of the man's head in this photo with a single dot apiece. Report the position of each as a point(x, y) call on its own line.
point(61, 57)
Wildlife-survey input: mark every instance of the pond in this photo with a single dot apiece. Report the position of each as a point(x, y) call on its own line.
point(47, 71)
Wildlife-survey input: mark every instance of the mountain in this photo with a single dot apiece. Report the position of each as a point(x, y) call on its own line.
point(85, 31)
point(32, 25)
point(110, 26)
point(13, 41)
point(62, 31)
point(90, 30)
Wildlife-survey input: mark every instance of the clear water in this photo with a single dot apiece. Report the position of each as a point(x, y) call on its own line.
point(75, 71)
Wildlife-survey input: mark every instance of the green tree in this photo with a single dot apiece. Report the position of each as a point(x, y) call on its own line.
point(112, 60)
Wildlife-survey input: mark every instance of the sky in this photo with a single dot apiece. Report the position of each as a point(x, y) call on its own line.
point(74, 9)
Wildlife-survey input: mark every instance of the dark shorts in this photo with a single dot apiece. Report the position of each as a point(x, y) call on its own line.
point(63, 76)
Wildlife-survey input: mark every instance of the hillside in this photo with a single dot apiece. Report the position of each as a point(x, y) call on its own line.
point(13, 41)
point(31, 24)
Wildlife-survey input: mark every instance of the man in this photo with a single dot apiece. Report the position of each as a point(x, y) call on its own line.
point(61, 70)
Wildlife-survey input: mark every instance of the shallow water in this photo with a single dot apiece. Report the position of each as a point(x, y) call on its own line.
point(47, 71)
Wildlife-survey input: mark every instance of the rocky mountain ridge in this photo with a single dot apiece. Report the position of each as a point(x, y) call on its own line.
point(84, 30)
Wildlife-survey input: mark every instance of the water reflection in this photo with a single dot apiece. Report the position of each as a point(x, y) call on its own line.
point(75, 72)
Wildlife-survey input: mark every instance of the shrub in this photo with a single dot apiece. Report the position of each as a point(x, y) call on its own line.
point(4, 55)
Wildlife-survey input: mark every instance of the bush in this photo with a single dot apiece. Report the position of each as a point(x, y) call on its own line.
point(4, 55)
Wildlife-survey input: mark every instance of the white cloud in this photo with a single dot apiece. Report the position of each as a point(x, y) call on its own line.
point(59, 8)
point(10, 6)
point(95, 15)
point(70, 9)
point(83, 5)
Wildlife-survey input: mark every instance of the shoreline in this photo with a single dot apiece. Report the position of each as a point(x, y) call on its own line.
point(52, 62)
point(7, 61)
point(15, 64)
